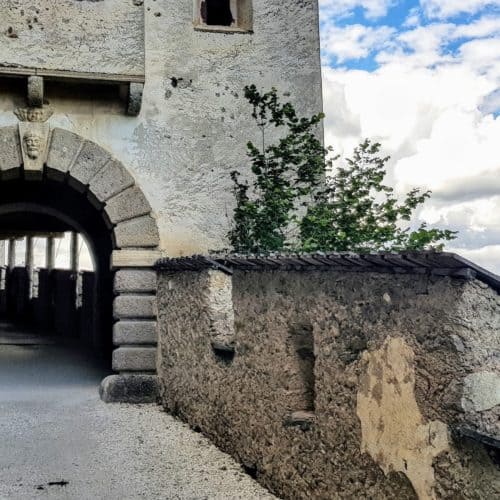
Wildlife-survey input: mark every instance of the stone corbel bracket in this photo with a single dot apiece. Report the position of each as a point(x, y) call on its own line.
point(134, 101)
point(36, 85)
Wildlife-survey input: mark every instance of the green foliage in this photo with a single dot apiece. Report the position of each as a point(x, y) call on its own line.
point(358, 212)
point(283, 174)
point(351, 210)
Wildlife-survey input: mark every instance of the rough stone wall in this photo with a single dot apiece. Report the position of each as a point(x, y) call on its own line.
point(395, 363)
point(194, 123)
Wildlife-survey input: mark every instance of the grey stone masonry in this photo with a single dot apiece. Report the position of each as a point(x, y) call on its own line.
point(110, 180)
point(90, 160)
point(129, 388)
point(63, 150)
point(135, 307)
point(10, 150)
point(134, 333)
point(138, 232)
point(135, 280)
point(128, 204)
point(134, 359)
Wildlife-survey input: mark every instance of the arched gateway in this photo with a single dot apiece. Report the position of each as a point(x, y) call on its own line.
point(57, 174)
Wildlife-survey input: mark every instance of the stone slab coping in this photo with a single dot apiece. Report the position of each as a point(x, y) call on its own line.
point(429, 262)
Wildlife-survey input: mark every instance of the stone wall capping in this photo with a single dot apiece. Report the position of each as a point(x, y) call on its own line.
point(426, 262)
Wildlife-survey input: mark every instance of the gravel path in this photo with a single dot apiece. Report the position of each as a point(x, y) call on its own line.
point(59, 441)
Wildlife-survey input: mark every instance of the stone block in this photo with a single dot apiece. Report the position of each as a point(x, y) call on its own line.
point(135, 93)
point(135, 280)
point(126, 205)
point(134, 359)
point(10, 150)
point(134, 258)
point(90, 160)
point(134, 306)
point(141, 232)
point(64, 147)
point(35, 91)
point(130, 389)
point(110, 180)
point(481, 391)
point(134, 333)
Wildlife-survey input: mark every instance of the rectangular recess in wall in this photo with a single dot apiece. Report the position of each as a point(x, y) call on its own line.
point(225, 16)
point(302, 346)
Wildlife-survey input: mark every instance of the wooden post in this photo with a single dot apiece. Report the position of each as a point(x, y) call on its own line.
point(12, 254)
point(74, 252)
point(29, 264)
point(50, 253)
point(29, 253)
point(2, 253)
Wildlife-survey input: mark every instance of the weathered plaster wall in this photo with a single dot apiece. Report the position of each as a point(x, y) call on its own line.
point(395, 361)
point(73, 35)
point(194, 122)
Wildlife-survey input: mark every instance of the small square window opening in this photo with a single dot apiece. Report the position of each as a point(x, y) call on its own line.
point(223, 15)
point(217, 12)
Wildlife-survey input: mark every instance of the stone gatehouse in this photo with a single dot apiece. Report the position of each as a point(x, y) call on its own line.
point(121, 120)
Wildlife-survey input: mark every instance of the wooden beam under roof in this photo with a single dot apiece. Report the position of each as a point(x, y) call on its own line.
point(19, 235)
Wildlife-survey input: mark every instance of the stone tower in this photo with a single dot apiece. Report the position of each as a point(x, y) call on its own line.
point(122, 119)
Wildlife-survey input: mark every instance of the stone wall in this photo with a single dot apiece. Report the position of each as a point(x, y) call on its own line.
point(338, 384)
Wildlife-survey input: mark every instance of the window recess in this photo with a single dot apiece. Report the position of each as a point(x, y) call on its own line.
point(225, 16)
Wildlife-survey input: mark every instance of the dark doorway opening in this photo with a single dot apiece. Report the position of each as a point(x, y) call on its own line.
point(71, 305)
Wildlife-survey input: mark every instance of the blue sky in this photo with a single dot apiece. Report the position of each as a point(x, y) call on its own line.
point(399, 17)
point(423, 78)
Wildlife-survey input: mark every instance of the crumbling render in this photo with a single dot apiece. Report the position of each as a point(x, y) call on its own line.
point(393, 430)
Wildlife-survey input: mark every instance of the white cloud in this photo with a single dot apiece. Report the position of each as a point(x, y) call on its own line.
point(448, 8)
point(434, 106)
point(354, 41)
point(487, 257)
point(373, 8)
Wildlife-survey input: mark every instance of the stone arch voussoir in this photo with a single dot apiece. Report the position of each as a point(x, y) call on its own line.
point(89, 168)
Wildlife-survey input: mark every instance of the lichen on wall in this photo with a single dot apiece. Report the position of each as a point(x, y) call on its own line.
point(394, 432)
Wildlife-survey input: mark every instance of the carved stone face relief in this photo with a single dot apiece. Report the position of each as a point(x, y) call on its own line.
point(34, 133)
point(34, 115)
point(33, 143)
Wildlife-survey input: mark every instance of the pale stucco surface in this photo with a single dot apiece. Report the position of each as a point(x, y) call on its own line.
point(86, 36)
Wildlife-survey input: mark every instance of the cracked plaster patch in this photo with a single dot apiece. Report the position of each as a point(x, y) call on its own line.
point(393, 429)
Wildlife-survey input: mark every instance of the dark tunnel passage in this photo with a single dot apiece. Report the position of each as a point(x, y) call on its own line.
point(69, 304)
